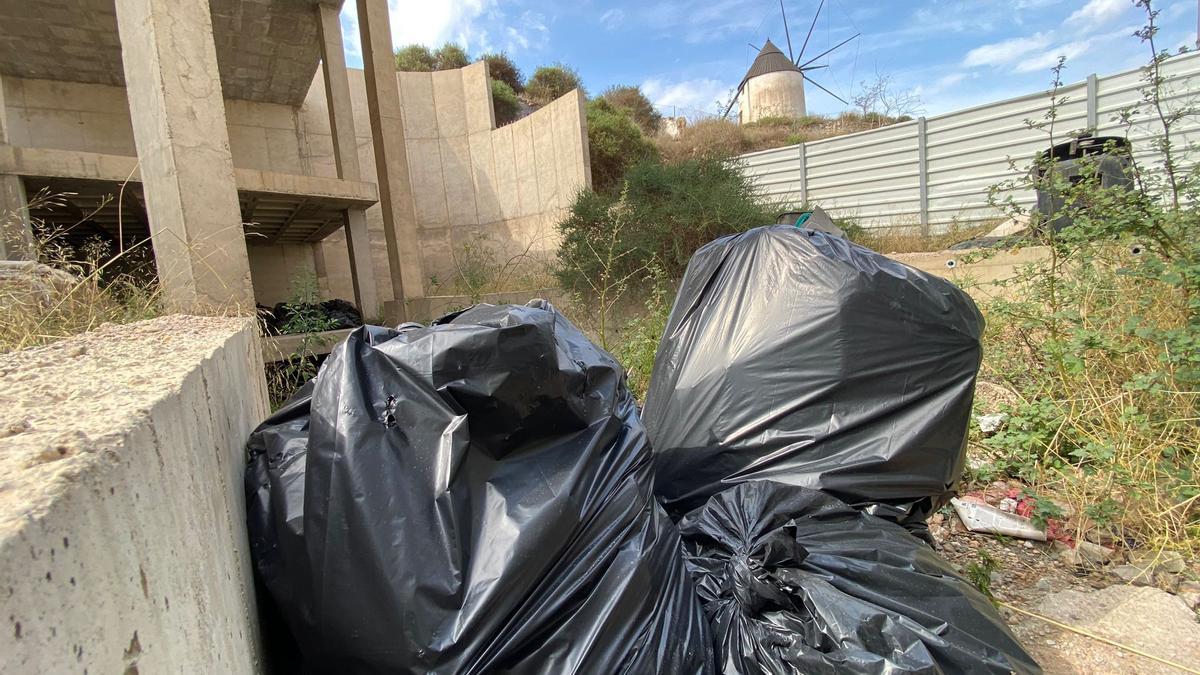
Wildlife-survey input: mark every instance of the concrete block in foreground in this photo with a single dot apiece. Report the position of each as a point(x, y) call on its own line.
point(122, 529)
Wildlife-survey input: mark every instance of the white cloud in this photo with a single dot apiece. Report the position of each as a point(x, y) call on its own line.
point(1007, 51)
point(1097, 12)
point(612, 19)
point(1049, 58)
point(697, 94)
point(477, 25)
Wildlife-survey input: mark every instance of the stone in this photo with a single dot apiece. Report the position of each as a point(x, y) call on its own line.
point(1133, 575)
point(1166, 561)
point(990, 424)
point(1084, 554)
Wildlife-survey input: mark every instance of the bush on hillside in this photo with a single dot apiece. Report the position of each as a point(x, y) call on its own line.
point(663, 214)
point(717, 137)
point(615, 143)
point(634, 102)
point(416, 58)
point(502, 68)
point(504, 103)
point(551, 82)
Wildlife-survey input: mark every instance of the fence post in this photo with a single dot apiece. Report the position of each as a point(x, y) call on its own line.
point(923, 175)
point(1092, 113)
point(803, 177)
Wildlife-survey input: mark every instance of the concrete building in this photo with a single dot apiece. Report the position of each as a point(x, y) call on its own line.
point(231, 133)
point(773, 87)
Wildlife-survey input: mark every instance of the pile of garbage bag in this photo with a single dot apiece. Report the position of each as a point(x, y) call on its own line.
point(795, 581)
point(469, 497)
point(480, 494)
point(797, 356)
point(333, 314)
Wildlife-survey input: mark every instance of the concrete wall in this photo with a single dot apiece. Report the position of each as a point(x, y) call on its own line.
point(511, 184)
point(122, 526)
point(983, 279)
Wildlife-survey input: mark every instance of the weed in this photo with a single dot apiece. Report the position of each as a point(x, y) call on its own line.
point(979, 573)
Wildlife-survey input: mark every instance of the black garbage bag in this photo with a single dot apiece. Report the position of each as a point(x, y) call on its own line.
point(796, 356)
point(470, 497)
point(795, 581)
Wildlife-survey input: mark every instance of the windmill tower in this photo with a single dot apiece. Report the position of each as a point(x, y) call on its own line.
point(774, 84)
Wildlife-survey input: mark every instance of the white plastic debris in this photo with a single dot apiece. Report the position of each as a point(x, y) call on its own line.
point(988, 519)
point(990, 424)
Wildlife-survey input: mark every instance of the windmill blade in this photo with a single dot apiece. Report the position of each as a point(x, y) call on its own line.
point(805, 64)
point(785, 29)
point(844, 101)
point(810, 30)
point(735, 99)
point(824, 65)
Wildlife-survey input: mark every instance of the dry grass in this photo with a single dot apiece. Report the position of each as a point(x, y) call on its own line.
point(717, 138)
point(72, 291)
point(909, 239)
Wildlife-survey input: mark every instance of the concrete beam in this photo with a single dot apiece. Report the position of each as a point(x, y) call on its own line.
point(391, 154)
point(49, 163)
point(345, 152)
point(182, 139)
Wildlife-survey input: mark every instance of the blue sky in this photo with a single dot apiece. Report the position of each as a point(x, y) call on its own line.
point(690, 53)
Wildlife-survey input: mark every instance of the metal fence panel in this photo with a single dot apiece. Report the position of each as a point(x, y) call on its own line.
point(893, 177)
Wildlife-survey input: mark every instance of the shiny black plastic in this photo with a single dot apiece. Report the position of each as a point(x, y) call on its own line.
point(796, 581)
point(796, 356)
point(469, 497)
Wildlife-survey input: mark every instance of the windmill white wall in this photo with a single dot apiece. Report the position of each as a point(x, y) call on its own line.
point(777, 94)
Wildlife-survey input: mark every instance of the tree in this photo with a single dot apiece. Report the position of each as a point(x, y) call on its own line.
point(504, 103)
point(420, 59)
point(550, 82)
point(415, 58)
point(615, 143)
point(450, 56)
point(501, 67)
point(631, 99)
point(881, 97)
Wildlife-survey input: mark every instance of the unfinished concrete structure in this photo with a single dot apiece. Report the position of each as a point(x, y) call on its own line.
point(232, 132)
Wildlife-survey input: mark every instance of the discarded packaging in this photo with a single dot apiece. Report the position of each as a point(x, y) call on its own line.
point(797, 356)
point(469, 497)
point(979, 517)
point(797, 582)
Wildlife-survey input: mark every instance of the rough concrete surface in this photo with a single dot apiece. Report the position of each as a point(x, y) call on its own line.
point(1143, 618)
point(122, 532)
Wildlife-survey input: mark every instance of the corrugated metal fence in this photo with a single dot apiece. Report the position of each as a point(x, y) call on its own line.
point(938, 170)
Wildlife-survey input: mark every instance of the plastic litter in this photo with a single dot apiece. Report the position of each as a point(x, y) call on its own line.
point(797, 582)
point(985, 518)
point(797, 356)
point(469, 497)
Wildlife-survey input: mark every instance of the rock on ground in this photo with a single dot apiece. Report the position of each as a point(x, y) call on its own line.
point(1147, 619)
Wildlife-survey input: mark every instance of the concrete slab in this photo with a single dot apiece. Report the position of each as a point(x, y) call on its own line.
point(122, 523)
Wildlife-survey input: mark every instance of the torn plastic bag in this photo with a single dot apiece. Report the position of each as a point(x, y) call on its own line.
point(797, 356)
point(795, 581)
point(470, 497)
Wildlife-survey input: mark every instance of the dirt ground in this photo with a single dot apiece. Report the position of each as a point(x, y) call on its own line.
point(1029, 575)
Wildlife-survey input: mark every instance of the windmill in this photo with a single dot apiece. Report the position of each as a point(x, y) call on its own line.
point(774, 85)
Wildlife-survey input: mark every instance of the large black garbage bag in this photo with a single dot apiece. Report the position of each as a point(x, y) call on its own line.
point(796, 356)
point(795, 581)
point(470, 497)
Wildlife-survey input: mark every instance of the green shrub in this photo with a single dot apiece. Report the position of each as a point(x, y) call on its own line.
point(614, 144)
point(504, 103)
point(420, 59)
point(664, 213)
point(551, 82)
point(631, 100)
point(502, 68)
point(415, 59)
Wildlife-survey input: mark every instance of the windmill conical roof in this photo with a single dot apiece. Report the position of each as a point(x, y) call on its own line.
point(770, 60)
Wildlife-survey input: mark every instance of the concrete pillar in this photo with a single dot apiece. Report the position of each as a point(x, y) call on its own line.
point(391, 154)
point(182, 141)
point(345, 152)
point(16, 232)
